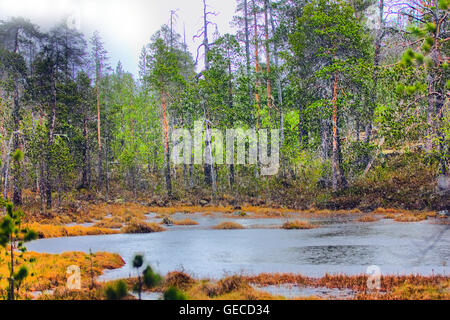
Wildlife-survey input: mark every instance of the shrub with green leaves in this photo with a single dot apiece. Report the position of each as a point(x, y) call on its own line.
point(12, 238)
point(173, 293)
point(116, 291)
point(147, 278)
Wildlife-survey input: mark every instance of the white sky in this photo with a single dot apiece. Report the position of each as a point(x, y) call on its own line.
point(125, 25)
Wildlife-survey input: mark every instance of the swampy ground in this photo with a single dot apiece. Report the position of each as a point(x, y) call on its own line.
point(248, 252)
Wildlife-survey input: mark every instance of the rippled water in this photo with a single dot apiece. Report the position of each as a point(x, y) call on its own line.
point(340, 245)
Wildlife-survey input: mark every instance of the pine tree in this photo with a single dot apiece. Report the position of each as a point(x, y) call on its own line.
point(99, 57)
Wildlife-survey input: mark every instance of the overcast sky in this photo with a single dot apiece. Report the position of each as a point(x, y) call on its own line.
point(125, 25)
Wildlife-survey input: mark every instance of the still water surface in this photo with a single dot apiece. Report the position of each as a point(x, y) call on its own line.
point(339, 245)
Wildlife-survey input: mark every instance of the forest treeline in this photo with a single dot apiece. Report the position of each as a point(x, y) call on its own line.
point(343, 81)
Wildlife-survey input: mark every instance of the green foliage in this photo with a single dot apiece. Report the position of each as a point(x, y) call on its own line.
point(20, 275)
point(444, 4)
point(12, 235)
point(151, 279)
point(352, 155)
point(11, 231)
point(147, 278)
point(116, 290)
point(138, 261)
point(311, 44)
point(18, 155)
point(173, 293)
point(164, 68)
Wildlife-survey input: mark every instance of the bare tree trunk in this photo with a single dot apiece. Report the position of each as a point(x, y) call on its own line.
point(266, 27)
point(85, 165)
point(167, 147)
point(324, 139)
point(106, 173)
point(208, 167)
point(376, 64)
point(280, 91)
point(209, 163)
point(6, 169)
point(185, 176)
point(338, 179)
point(173, 167)
point(247, 50)
point(258, 99)
point(231, 106)
point(41, 185)
point(155, 162)
point(51, 138)
point(430, 114)
point(257, 84)
point(100, 156)
point(205, 34)
point(17, 188)
point(11, 278)
point(191, 172)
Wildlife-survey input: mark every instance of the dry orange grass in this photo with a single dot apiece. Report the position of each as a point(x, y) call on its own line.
point(326, 212)
point(260, 211)
point(142, 227)
point(189, 209)
point(388, 210)
point(297, 225)
point(409, 291)
point(48, 271)
point(185, 222)
point(268, 279)
point(430, 214)
point(367, 219)
point(109, 223)
point(178, 279)
point(231, 288)
point(210, 291)
point(240, 287)
point(52, 231)
point(392, 286)
point(83, 212)
point(409, 217)
point(125, 212)
point(267, 212)
point(228, 226)
point(405, 215)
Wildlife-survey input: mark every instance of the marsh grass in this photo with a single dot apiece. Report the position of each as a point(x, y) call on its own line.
point(392, 286)
point(109, 224)
point(228, 226)
point(368, 219)
point(409, 217)
point(185, 222)
point(297, 225)
point(179, 280)
point(53, 231)
point(230, 288)
point(49, 271)
point(136, 226)
point(387, 211)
